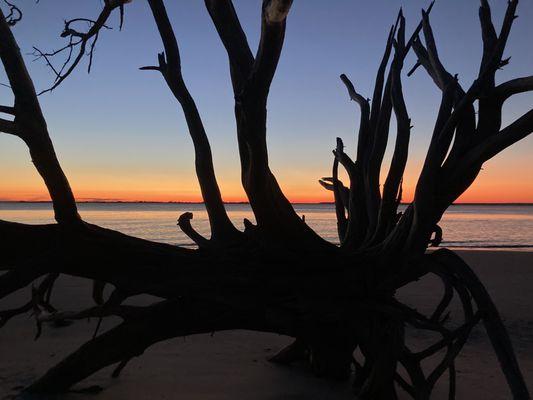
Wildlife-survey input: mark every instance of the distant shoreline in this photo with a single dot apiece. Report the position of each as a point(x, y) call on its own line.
point(233, 202)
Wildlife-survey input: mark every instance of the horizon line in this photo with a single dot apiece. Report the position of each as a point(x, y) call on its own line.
point(235, 202)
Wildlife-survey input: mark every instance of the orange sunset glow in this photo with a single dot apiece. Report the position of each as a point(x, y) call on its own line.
point(499, 182)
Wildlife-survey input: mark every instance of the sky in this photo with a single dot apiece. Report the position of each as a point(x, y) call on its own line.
point(120, 135)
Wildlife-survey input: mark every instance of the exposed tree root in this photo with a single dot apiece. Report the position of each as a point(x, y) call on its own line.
point(278, 275)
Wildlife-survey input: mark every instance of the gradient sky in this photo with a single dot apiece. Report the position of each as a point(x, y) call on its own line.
point(120, 135)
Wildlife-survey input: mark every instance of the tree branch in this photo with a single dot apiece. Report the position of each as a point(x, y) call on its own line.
point(493, 145)
point(364, 104)
point(276, 218)
point(392, 187)
point(7, 110)
point(155, 323)
point(339, 203)
point(495, 328)
point(184, 222)
point(81, 40)
point(15, 14)
point(30, 126)
point(234, 39)
point(514, 86)
point(488, 33)
point(274, 17)
point(222, 230)
point(10, 127)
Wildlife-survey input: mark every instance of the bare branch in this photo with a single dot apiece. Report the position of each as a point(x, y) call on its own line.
point(80, 40)
point(443, 77)
point(343, 158)
point(170, 67)
point(327, 183)
point(7, 109)
point(491, 319)
point(493, 145)
point(380, 81)
point(392, 186)
point(364, 104)
point(488, 33)
point(359, 99)
point(10, 127)
point(496, 61)
point(30, 125)
point(234, 39)
point(251, 83)
point(14, 15)
point(270, 45)
point(514, 86)
point(339, 203)
point(184, 222)
point(418, 29)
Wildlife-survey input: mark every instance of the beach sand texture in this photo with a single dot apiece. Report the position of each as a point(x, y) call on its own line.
point(233, 365)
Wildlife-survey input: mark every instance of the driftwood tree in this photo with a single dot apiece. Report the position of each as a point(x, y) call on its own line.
point(278, 275)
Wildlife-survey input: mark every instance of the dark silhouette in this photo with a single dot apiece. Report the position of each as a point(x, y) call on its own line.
point(278, 275)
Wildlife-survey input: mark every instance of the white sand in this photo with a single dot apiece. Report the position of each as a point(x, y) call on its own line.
point(232, 365)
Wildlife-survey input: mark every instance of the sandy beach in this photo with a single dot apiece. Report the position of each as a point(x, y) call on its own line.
point(233, 365)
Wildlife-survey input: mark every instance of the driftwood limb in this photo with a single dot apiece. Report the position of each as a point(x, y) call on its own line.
point(278, 275)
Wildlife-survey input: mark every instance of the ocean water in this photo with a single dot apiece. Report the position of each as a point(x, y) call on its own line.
point(464, 226)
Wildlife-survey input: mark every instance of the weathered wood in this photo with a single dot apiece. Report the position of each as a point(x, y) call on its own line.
point(279, 275)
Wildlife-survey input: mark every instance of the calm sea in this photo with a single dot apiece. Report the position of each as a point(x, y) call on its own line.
point(469, 226)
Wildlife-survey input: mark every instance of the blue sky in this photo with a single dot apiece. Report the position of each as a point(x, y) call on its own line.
point(118, 130)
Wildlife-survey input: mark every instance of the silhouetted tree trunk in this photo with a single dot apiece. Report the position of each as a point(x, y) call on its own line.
point(278, 275)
